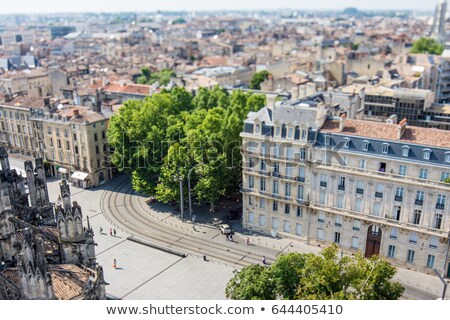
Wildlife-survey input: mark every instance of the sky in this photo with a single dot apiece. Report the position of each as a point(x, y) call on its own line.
point(46, 6)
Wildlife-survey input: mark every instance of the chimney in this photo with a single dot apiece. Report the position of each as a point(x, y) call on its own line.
point(47, 104)
point(392, 119)
point(342, 119)
point(294, 93)
point(401, 128)
point(76, 112)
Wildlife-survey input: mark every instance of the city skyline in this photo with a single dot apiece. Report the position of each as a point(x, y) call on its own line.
point(50, 6)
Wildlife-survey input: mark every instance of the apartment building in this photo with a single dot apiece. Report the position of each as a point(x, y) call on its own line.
point(367, 186)
point(72, 139)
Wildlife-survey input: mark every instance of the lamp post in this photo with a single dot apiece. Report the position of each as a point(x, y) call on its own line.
point(180, 178)
point(438, 274)
point(189, 192)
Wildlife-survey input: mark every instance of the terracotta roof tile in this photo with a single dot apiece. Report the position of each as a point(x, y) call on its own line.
point(68, 280)
point(385, 131)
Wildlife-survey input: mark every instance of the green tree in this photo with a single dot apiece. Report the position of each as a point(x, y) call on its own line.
point(318, 277)
point(162, 77)
point(427, 45)
point(258, 78)
point(447, 180)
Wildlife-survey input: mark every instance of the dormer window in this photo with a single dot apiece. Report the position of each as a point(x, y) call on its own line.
point(283, 131)
point(405, 151)
point(385, 148)
point(365, 145)
point(290, 133)
point(257, 128)
point(277, 131)
point(304, 135)
point(426, 154)
point(328, 141)
point(346, 143)
point(447, 157)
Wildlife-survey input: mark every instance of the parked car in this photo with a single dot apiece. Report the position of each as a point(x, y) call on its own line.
point(224, 228)
point(235, 213)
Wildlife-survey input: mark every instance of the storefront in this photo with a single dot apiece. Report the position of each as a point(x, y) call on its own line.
point(63, 173)
point(80, 179)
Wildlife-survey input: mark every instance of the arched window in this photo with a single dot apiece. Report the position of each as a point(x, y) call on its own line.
point(426, 154)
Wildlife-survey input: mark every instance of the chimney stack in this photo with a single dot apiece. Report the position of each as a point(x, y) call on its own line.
point(401, 128)
point(342, 119)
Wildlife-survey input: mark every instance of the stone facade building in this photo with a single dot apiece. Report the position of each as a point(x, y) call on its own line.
point(378, 188)
point(46, 252)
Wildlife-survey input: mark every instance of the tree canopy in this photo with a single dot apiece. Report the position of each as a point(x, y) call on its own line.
point(170, 133)
point(258, 78)
point(162, 77)
point(427, 45)
point(297, 276)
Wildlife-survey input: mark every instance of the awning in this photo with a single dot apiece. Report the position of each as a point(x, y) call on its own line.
point(62, 170)
point(79, 175)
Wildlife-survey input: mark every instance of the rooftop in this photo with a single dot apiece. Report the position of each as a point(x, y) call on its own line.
point(385, 131)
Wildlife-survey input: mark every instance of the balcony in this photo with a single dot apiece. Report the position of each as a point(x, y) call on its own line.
point(275, 174)
point(341, 187)
point(359, 191)
point(418, 202)
point(323, 184)
point(246, 190)
point(264, 173)
point(398, 198)
point(379, 195)
point(440, 206)
point(301, 179)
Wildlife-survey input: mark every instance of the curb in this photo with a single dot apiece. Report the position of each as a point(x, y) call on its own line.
point(158, 247)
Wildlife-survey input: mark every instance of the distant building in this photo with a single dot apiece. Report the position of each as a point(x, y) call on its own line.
point(438, 30)
point(61, 31)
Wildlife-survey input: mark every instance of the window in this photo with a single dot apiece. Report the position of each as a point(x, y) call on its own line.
point(405, 151)
point(385, 148)
point(300, 192)
point(445, 176)
point(97, 150)
point(262, 220)
point(433, 242)
point(399, 193)
point(394, 233)
point(59, 143)
point(301, 173)
point(304, 135)
point(379, 189)
point(251, 162)
point(262, 184)
point(426, 154)
point(420, 195)
point(338, 221)
point(355, 243)
point(275, 206)
point(103, 134)
point(358, 204)
point(320, 234)
point(251, 218)
point(341, 185)
point(340, 201)
point(402, 170)
point(376, 208)
point(251, 182)
point(95, 137)
point(275, 187)
point(365, 146)
point(262, 203)
point(328, 141)
point(440, 203)
point(397, 213)
point(430, 261)
point(275, 223)
point(321, 217)
point(413, 237)
point(356, 225)
point(276, 167)
point(322, 197)
point(287, 208)
point(298, 229)
point(391, 251)
point(299, 212)
point(423, 174)
point(410, 256)
point(337, 237)
point(67, 145)
point(288, 170)
point(263, 165)
point(362, 163)
point(417, 215)
point(438, 221)
point(346, 143)
point(290, 133)
point(287, 190)
point(250, 200)
point(277, 131)
point(287, 226)
point(302, 154)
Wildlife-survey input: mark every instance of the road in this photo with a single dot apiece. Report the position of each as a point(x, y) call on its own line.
point(129, 210)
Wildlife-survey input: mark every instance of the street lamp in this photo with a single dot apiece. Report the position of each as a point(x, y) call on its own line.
point(180, 178)
point(189, 192)
point(443, 281)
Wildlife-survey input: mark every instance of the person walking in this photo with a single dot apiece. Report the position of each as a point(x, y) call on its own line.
point(101, 230)
point(264, 260)
point(114, 230)
point(248, 240)
point(115, 264)
point(110, 231)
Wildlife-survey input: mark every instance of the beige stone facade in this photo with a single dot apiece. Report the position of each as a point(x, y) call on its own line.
point(369, 187)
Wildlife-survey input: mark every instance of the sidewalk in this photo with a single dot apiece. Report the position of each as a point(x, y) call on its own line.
point(417, 285)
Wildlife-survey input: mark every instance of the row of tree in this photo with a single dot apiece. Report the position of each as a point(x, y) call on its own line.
point(169, 134)
point(297, 276)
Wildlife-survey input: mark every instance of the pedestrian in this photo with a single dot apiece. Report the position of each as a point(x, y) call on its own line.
point(193, 218)
point(231, 237)
point(114, 230)
point(264, 260)
point(115, 264)
point(110, 231)
point(248, 240)
point(227, 237)
point(101, 230)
